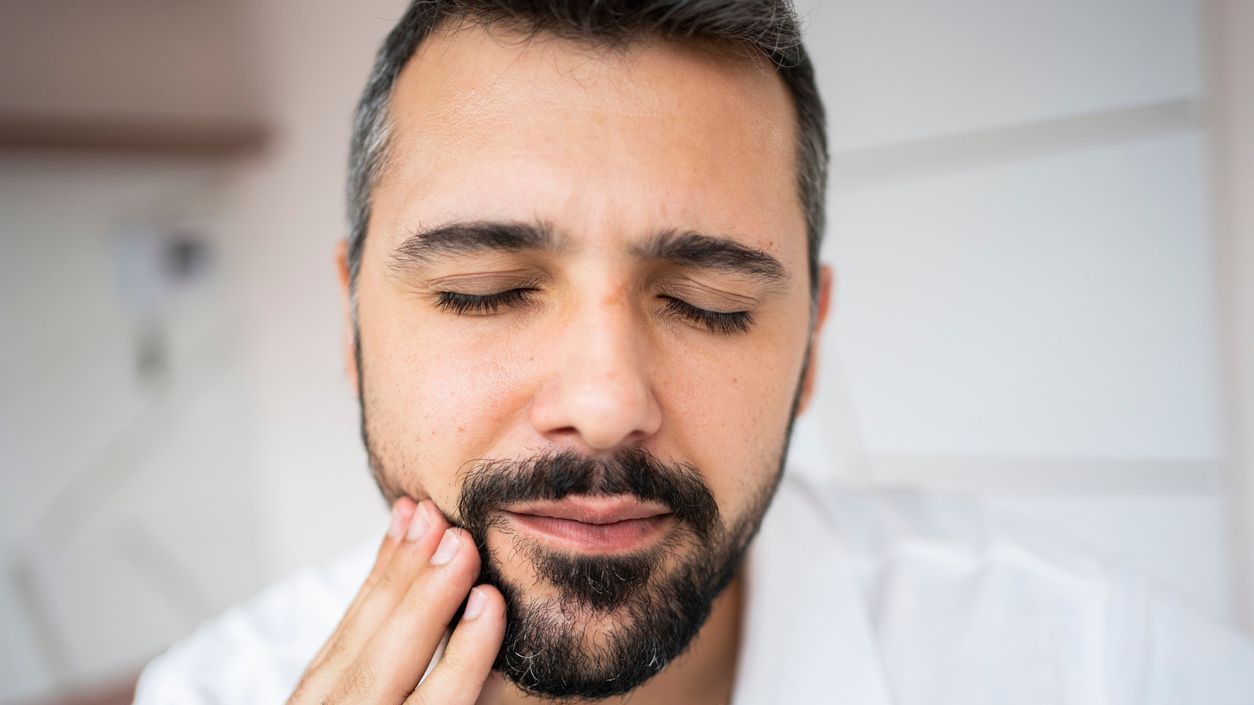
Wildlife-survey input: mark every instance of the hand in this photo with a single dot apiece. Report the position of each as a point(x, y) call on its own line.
point(383, 644)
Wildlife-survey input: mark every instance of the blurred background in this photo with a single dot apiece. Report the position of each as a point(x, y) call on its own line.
point(1041, 222)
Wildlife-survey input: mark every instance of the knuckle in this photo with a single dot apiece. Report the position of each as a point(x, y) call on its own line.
point(433, 594)
point(388, 585)
point(358, 681)
point(393, 584)
point(419, 697)
point(376, 574)
point(338, 653)
point(454, 662)
point(312, 682)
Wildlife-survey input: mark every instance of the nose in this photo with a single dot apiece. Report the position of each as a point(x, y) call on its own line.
point(598, 395)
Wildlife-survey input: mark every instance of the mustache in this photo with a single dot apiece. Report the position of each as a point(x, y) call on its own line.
point(494, 484)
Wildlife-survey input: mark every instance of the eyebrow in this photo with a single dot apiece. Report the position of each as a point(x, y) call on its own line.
point(693, 249)
point(423, 246)
point(684, 248)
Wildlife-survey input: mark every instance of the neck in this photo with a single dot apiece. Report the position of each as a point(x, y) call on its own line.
point(703, 675)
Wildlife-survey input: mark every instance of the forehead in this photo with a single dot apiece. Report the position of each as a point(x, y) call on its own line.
point(606, 143)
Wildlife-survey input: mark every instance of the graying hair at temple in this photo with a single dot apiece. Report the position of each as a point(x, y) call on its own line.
point(769, 27)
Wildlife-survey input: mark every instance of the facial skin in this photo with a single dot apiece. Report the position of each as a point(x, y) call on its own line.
point(613, 154)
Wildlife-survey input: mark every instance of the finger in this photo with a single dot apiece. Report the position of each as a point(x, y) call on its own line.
point(410, 552)
point(395, 658)
point(409, 555)
point(402, 512)
point(318, 677)
point(462, 675)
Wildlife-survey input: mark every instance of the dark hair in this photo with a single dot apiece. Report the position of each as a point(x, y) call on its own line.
point(767, 26)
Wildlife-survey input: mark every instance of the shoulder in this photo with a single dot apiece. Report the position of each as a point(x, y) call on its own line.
point(942, 574)
point(257, 650)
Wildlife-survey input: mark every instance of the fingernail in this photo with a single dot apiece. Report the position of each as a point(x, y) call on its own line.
point(421, 521)
point(474, 605)
point(397, 526)
point(448, 548)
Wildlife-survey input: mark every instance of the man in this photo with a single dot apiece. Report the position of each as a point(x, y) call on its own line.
point(583, 287)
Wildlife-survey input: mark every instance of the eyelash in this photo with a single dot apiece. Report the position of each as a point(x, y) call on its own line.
point(480, 304)
point(728, 323)
point(725, 323)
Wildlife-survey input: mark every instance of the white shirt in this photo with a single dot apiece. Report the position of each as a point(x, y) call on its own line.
point(858, 597)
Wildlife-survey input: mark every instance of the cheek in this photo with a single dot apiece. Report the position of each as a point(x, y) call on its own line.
point(728, 414)
point(436, 399)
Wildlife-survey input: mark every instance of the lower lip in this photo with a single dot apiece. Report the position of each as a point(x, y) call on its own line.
point(618, 536)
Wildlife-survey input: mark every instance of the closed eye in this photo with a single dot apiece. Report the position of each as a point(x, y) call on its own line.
point(726, 323)
point(723, 322)
point(482, 304)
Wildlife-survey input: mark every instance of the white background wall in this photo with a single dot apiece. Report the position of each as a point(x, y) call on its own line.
point(1025, 268)
point(1025, 308)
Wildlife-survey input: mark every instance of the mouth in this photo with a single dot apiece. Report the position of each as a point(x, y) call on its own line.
point(592, 524)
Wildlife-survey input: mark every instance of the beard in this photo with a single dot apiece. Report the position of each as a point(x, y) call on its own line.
point(646, 605)
point(611, 622)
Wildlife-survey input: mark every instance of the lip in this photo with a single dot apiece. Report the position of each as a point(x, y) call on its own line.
point(592, 524)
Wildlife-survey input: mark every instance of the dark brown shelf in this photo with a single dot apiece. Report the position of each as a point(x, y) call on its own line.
point(157, 137)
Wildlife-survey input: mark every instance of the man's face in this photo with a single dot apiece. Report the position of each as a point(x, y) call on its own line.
point(585, 280)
